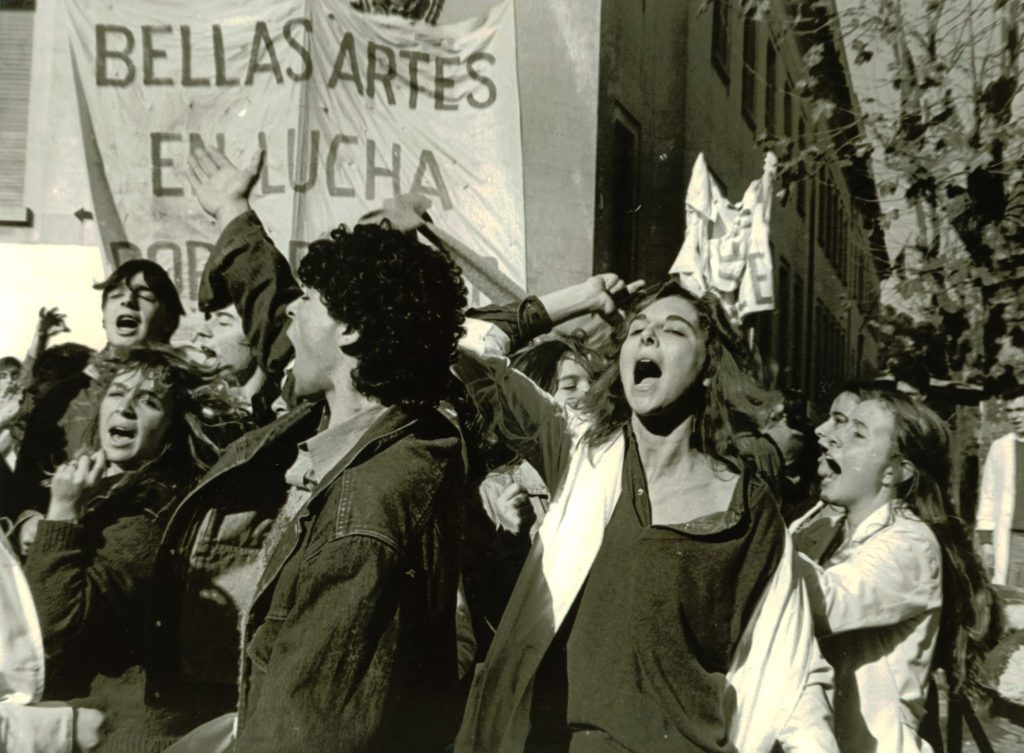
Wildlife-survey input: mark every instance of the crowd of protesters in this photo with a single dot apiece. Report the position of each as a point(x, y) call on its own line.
point(352, 515)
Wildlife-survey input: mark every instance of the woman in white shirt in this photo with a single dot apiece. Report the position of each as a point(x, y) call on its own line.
point(903, 593)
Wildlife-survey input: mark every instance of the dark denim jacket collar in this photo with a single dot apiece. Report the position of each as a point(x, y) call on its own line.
point(388, 428)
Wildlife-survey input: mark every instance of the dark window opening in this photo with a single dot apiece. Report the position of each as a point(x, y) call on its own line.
point(749, 77)
point(624, 190)
point(720, 38)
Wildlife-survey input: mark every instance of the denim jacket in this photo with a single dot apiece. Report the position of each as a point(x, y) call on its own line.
point(348, 635)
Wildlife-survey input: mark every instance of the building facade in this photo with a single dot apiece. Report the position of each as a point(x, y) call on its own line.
point(617, 101)
point(726, 84)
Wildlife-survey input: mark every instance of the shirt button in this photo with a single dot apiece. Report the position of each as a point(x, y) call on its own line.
point(639, 492)
point(158, 623)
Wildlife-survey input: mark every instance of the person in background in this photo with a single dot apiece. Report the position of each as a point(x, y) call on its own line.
point(513, 496)
point(140, 305)
point(25, 725)
point(90, 565)
point(10, 405)
point(912, 377)
point(10, 373)
point(789, 428)
point(1000, 520)
point(902, 592)
point(662, 565)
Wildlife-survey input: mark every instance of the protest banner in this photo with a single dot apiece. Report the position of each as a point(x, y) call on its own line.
point(350, 108)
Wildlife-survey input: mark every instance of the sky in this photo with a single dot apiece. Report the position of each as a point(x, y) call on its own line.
point(39, 275)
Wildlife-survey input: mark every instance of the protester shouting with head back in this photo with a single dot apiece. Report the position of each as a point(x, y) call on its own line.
point(901, 591)
point(662, 565)
point(339, 522)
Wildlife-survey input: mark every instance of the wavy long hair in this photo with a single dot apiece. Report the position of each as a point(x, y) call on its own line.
point(204, 413)
point(971, 614)
point(732, 402)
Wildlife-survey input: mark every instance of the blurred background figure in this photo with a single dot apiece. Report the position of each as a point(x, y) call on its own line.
point(1000, 521)
point(513, 496)
point(790, 429)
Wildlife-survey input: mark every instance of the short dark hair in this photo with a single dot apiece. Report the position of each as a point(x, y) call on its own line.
point(1013, 393)
point(406, 301)
point(10, 363)
point(157, 279)
point(60, 361)
point(913, 372)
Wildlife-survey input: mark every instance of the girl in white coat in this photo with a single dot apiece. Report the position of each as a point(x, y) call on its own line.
point(903, 592)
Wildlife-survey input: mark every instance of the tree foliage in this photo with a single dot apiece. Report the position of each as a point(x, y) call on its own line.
point(941, 120)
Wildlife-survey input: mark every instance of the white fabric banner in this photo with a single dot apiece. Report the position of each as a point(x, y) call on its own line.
point(350, 108)
point(726, 247)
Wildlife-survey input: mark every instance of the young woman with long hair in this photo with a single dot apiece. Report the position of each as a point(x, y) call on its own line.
point(903, 592)
point(90, 564)
point(662, 566)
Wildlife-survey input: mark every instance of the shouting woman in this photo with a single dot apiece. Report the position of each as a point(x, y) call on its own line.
point(901, 591)
point(90, 565)
point(662, 566)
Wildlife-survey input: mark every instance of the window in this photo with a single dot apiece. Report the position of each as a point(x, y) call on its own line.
point(844, 239)
point(624, 194)
point(16, 21)
point(799, 362)
point(720, 38)
point(784, 343)
point(749, 76)
point(822, 205)
point(819, 337)
point(769, 91)
point(801, 186)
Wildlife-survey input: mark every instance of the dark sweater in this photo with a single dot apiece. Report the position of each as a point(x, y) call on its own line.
point(91, 581)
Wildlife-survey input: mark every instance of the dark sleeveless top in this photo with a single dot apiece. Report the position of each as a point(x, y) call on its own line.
point(660, 616)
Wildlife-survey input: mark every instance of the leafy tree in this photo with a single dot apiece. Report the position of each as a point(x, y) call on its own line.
point(943, 128)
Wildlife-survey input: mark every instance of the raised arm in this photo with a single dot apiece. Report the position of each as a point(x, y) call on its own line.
point(245, 269)
point(893, 577)
point(51, 323)
point(522, 413)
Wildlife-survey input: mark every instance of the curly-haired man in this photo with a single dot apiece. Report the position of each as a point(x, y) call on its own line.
point(338, 523)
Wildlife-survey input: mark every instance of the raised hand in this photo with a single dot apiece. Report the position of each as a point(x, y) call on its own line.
point(51, 323)
point(608, 291)
point(601, 294)
point(70, 481)
point(222, 188)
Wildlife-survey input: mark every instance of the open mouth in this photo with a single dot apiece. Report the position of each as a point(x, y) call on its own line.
point(121, 435)
point(126, 324)
point(646, 372)
point(828, 468)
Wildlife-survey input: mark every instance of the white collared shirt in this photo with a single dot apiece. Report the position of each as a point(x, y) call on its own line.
point(876, 604)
